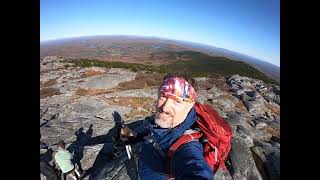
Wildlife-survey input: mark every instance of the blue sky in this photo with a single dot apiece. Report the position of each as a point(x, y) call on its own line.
point(250, 27)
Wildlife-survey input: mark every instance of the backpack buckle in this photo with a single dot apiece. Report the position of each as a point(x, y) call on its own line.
point(216, 154)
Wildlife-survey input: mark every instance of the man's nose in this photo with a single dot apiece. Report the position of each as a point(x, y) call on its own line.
point(167, 104)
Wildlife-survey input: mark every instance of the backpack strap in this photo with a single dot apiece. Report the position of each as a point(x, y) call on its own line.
point(184, 139)
point(150, 139)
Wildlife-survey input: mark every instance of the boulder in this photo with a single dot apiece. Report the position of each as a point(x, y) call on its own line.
point(203, 96)
point(276, 89)
point(268, 159)
point(268, 124)
point(251, 94)
point(220, 175)
point(237, 118)
point(261, 125)
point(245, 137)
point(254, 107)
point(107, 81)
point(215, 91)
point(262, 135)
point(239, 93)
point(243, 164)
point(271, 96)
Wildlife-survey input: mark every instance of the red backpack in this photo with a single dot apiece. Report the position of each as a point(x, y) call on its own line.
point(217, 133)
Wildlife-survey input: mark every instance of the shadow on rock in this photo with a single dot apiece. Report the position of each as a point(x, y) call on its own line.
point(112, 150)
point(77, 147)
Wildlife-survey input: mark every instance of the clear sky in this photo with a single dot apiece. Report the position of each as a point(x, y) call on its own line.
point(250, 27)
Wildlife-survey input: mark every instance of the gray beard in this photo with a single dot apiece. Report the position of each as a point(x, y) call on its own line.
point(161, 123)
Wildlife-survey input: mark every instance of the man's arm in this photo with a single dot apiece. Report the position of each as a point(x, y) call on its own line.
point(140, 131)
point(188, 163)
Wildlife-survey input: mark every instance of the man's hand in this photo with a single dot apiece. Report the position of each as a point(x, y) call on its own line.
point(126, 132)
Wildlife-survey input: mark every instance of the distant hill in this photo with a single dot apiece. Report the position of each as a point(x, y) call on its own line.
point(143, 50)
point(194, 63)
point(269, 69)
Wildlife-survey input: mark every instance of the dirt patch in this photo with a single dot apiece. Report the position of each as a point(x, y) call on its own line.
point(48, 92)
point(141, 81)
point(72, 78)
point(81, 92)
point(50, 82)
point(229, 97)
point(134, 102)
point(205, 85)
point(92, 92)
point(220, 83)
point(239, 105)
point(91, 72)
point(142, 106)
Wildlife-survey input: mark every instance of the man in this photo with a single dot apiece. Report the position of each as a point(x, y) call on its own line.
point(175, 116)
point(63, 159)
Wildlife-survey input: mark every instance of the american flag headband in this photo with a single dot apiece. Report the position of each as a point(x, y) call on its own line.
point(178, 89)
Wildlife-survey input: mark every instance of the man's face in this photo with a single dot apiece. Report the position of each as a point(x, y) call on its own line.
point(170, 113)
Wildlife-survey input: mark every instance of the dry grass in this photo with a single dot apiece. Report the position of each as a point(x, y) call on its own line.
point(271, 130)
point(141, 81)
point(274, 109)
point(239, 105)
point(134, 102)
point(81, 92)
point(137, 113)
point(92, 92)
point(142, 107)
point(72, 78)
point(48, 92)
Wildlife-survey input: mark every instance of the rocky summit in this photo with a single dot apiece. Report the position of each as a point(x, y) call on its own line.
point(83, 105)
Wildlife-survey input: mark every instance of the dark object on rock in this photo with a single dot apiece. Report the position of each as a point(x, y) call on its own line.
point(48, 171)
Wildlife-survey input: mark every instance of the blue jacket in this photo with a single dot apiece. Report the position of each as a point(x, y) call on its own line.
point(188, 161)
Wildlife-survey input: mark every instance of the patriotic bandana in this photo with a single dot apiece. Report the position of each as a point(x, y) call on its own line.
point(178, 89)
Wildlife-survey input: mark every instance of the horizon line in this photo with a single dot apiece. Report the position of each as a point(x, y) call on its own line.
point(163, 38)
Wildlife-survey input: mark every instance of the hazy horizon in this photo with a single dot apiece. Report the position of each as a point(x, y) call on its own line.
point(251, 28)
point(156, 37)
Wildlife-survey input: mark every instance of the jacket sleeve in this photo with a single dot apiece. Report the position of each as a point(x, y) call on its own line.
point(141, 131)
point(188, 163)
